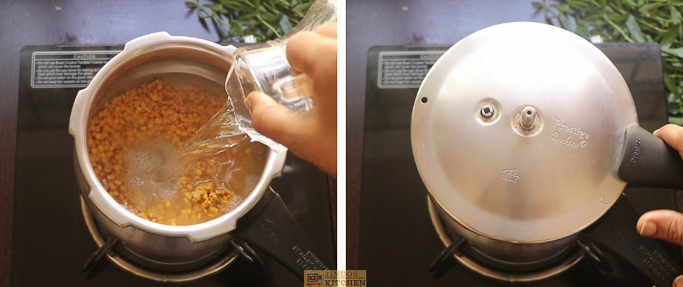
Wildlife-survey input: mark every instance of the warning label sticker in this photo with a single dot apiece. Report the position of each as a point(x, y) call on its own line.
point(67, 69)
point(404, 69)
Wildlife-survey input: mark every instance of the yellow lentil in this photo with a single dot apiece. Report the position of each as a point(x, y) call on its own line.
point(173, 114)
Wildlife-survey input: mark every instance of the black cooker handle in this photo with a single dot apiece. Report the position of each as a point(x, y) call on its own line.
point(271, 227)
point(616, 231)
point(649, 162)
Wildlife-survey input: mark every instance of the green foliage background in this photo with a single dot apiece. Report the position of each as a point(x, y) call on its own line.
point(634, 21)
point(265, 19)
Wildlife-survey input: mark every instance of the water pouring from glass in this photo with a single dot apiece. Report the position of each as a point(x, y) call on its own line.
point(264, 68)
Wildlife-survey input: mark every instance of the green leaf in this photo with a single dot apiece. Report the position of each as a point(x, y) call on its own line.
point(674, 52)
point(649, 7)
point(215, 8)
point(675, 15)
point(537, 5)
point(249, 3)
point(236, 28)
point(649, 39)
point(617, 29)
point(265, 19)
point(203, 14)
point(221, 25)
point(670, 36)
point(634, 29)
point(270, 17)
point(284, 23)
point(562, 8)
point(579, 4)
point(271, 9)
point(671, 86)
point(566, 23)
point(302, 7)
point(249, 16)
point(271, 28)
point(230, 4)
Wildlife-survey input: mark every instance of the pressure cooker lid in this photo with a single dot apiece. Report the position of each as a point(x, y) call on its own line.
point(517, 130)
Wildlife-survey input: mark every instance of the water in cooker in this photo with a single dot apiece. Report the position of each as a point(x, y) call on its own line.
point(143, 149)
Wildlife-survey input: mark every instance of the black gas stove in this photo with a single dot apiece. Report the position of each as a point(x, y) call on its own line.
point(399, 239)
point(51, 240)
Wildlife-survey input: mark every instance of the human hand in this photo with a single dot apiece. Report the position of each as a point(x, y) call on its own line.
point(311, 135)
point(665, 224)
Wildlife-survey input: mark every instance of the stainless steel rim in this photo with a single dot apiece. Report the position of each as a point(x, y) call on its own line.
point(151, 274)
point(496, 274)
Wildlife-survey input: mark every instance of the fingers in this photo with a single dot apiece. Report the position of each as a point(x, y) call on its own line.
point(672, 135)
point(313, 53)
point(328, 29)
point(678, 282)
point(666, 225)
point(303, 133)
point(274, 120)
point(310, 135)
point(663, 224)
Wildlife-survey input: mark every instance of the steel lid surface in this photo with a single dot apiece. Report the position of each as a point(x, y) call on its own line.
point(522, 181)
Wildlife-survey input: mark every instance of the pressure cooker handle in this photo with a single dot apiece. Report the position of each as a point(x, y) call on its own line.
point(649, 162)
point(271, 227)
point(616, 231)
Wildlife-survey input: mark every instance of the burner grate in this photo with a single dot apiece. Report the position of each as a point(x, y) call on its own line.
point(135, 264)
point(479, 262)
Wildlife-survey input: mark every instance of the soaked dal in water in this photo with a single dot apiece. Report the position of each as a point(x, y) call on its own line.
point(137, 147)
